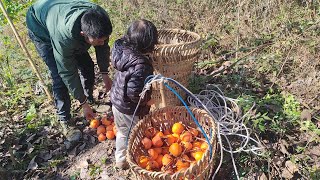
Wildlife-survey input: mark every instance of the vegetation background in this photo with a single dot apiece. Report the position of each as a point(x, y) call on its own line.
point(262, 51)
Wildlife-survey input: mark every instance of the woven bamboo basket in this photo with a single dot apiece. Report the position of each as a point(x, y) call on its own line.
point(162, 119)
point(174, 58)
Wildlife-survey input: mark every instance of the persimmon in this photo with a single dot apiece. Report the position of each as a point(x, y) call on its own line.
point(204, 146)
point(182, 164)
point(152, 165)
point(166, 159)
point(171, 139)
point(110, 135)
point(175, 149)
point(194, 132)
point(143, 161)
point(157, 141)
point(153, 154)
point(159, 133)
point(196, 145)
point(94, 123)
point(186, 137)
point(102, 137)
point(177, 136)
point(109, 128)
point(150, 132)
point(105, 121)
point(146, 142)
point(177, 128)
point(187, 145)
point(159, 160)
point(158, 150)
point(101, 129)
point(197, 155)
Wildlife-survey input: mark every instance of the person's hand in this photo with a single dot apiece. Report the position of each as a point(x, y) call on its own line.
point(107, 82)
point(87, 111)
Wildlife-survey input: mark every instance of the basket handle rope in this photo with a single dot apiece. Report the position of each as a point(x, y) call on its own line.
point(160, 78)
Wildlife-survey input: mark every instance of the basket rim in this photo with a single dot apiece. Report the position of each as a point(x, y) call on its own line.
point(179, 31)
point(135, 166)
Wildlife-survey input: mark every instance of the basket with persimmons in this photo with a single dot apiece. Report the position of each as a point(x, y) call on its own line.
point(167, 144)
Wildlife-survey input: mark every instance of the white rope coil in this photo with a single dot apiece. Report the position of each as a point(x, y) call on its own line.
point(230, 123)
point(227, 115)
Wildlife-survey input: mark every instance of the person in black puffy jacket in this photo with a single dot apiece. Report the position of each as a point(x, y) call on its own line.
point(133, 65)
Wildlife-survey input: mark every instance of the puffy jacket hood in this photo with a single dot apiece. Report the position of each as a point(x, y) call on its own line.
point(123, 56)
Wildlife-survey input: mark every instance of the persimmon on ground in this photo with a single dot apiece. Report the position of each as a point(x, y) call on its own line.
point(105, 128)
point(94, 123)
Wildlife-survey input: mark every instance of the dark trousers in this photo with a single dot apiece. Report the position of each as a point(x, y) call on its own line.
point(60, 91)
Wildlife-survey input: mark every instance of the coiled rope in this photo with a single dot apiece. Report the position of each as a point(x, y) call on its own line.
point(225, 112)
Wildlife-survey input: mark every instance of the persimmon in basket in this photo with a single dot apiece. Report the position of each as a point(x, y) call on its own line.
point(171, 150)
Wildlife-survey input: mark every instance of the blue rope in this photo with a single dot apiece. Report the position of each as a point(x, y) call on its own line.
point(191, 114)
point(147, 80)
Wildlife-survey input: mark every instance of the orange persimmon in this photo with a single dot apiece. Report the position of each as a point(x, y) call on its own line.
point(186, 137)
point(175, 149)
point(153, 154)
point(101, 129)
point(171, 139)
point(105, 121)
point(110, 135)
point(94, 123)
point(143, 161)
point(177, 128)
point(102, 137)
point(157, 141)
point(146, 142)
point(166, 159)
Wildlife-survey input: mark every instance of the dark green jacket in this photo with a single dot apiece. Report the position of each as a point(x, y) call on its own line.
point(58, 22)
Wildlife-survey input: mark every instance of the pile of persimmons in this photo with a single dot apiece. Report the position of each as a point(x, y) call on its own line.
point(171, 150)
point(105, 127)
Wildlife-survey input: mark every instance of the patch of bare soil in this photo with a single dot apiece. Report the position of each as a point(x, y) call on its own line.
point(96, 162)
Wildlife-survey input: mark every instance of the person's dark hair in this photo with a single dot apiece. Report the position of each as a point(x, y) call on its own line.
point(142, 35)
point(96, 24)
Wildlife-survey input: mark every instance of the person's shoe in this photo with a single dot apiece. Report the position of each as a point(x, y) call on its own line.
point(122, 165)
point(71, 133)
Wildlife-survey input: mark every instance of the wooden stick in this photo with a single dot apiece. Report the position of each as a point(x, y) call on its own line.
point(26, 51)
point(163, 98)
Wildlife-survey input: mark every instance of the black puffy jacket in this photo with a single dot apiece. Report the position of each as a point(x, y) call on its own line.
point(132, 68)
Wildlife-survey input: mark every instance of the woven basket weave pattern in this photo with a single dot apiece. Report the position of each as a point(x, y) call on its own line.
point(174, 58)
point(162, 119)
